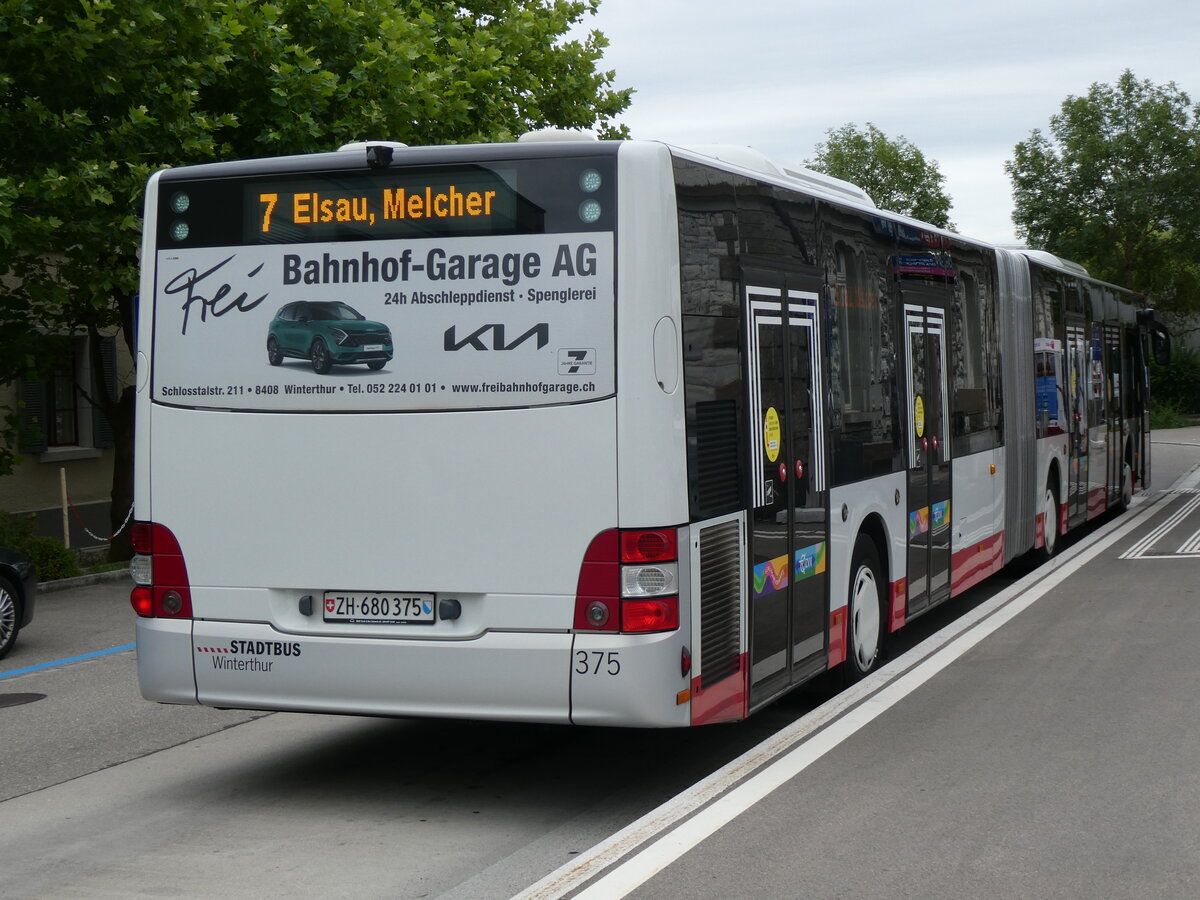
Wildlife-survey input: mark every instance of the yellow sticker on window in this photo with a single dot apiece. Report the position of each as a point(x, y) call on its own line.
point(771, 434)
point(919, 416)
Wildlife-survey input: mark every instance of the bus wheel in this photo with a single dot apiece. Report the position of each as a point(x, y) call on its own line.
point(1049, 524)
point(865, 618)
point(1126, 487)
point(274, 357)
point(320, 357)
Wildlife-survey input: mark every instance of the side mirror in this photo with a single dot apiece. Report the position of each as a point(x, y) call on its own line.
point(1160, 342)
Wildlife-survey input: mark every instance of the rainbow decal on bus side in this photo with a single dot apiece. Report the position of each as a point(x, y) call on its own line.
point(941, 514)
point(918, 521)
point(770, 576)
point(810, 561)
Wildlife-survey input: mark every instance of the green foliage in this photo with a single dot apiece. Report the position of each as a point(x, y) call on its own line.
point(1177, 385)
point(1167, 415)
point(52, 559)
point(95, 95)
point(1115, 187)
point(895, 174)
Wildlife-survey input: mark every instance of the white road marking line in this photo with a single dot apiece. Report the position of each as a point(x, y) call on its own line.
point(1191, 546)
point(848, 712)
point(1138, 550)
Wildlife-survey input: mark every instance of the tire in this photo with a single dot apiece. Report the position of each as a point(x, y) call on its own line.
point(321, 361)
point(865, 612)
point(376, 364)
point(1049, 512)
point(274, 356)
point(10, 616)
point(1126, 487)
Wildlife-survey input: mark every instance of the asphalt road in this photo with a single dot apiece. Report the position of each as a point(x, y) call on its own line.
point(104, 794)
point(1058, 757)
point(1053, 752)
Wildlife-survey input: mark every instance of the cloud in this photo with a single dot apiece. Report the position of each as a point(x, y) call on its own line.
point(962, 82)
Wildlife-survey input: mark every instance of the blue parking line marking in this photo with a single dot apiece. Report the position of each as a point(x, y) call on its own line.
point(63, 662)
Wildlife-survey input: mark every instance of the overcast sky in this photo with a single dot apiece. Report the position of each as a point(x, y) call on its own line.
point(964, 81)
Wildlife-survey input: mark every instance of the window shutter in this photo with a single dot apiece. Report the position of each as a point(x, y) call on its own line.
point(102, 433)
point(32, 438)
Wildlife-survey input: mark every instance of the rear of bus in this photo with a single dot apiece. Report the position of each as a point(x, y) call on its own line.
point(398, 453)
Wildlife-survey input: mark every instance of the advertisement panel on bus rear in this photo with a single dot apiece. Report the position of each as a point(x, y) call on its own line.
point(443, 323)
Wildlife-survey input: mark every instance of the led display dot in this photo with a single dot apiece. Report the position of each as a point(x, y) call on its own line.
point(180, 231)
point(590, 180)
point(589, 211)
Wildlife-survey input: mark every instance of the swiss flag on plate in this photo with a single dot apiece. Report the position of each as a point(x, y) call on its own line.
point(329, 604)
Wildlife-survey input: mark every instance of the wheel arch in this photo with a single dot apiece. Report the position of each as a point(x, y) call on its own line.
point(874, 509)
point(1054, 478)
point(874, 528)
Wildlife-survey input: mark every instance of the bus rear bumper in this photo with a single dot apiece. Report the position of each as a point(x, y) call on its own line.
point(499, 675)
point(552, 677)
point(164, 660)
point(632, 680)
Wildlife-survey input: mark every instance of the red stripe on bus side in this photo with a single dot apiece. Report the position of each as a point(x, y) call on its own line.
point(971, 565)
point(837, 637)
point(724, 701)
point(899, 605)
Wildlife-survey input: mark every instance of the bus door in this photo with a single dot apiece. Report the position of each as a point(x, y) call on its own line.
point(1077, 419)
point(928, 440)
point(789, 482)
point(1135, 341)
point(1097, 424)
point(1116, 424)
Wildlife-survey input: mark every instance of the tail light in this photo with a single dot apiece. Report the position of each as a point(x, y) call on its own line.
point(629, 582)
point(160, 575)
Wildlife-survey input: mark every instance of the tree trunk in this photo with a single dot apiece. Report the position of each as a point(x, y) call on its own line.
point(122, 484)
point(119, 411)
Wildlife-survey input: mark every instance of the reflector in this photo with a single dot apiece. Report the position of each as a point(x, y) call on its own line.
point(644, 616)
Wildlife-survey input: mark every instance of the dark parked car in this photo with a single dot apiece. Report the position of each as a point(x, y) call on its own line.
point(327, 332)
point(18, 587)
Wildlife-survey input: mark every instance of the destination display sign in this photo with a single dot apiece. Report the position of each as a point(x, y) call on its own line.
point(401, 202)
point(403, 206)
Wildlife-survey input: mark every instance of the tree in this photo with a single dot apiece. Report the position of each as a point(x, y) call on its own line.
point(95, 95)
point(1115, 188)
point(894, 173)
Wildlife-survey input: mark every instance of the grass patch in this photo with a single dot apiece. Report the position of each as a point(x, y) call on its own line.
point(1168, 415)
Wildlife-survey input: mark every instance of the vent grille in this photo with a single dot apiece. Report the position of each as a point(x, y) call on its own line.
point(359, 338)
point(717, 477)
point(720, 583)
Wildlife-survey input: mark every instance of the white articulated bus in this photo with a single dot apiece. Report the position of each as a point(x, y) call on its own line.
point(610, 433)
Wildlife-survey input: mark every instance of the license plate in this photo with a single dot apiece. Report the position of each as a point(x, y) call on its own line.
point(379, 608)
point(372, 348)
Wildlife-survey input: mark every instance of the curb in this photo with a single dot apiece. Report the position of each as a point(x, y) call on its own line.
point(65, 584)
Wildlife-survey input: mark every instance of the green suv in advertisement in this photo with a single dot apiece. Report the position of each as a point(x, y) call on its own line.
point(327, 332)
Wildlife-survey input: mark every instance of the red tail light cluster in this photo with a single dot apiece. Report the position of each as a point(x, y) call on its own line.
point(162, 589)
point(629, 582)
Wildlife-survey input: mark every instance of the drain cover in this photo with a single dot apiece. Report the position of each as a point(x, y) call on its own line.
point(18, 699)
